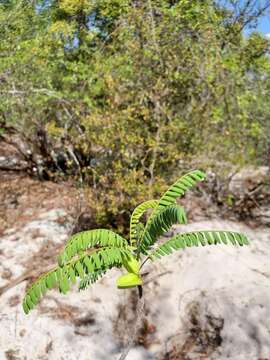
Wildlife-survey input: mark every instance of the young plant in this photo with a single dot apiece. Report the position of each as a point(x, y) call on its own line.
point(88, 255)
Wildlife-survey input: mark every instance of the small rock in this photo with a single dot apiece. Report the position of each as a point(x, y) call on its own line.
point(11, 158)
point(248, 179)
point(263, 214)
point(12, 163)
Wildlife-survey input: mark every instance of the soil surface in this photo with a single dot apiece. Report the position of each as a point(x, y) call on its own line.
point(200, 303)
point(22, 198)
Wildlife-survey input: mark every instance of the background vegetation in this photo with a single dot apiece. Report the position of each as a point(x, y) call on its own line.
point(124, 95)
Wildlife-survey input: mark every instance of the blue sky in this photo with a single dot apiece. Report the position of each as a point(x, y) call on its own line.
point(264, 25)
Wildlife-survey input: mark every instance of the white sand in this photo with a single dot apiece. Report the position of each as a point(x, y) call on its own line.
point(228, 283)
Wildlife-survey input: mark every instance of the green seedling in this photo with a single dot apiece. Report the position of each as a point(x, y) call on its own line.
point(88, 255)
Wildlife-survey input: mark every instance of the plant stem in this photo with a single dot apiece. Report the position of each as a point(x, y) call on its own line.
point(139, 316)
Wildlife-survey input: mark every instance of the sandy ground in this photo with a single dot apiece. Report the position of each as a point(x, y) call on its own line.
point(201, 303)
